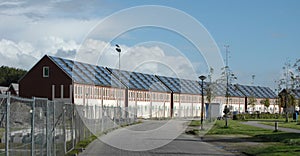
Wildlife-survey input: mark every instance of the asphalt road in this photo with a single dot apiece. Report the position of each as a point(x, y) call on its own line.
point(151, 138)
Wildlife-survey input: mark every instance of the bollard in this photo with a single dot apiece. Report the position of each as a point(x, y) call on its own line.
point(276, 126)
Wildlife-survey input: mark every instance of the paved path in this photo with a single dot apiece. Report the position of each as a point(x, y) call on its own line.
point(160, 142)
point(256, 124)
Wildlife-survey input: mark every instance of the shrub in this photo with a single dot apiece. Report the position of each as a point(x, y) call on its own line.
point(258, 116)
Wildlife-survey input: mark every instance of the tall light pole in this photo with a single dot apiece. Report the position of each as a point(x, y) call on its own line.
point(118, 49)
point(227, 73)
point(202, 78)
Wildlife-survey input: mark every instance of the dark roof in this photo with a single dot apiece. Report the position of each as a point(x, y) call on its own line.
point(96, 75)
point(86, 73)
point(219, 89)
point(181, 85)
point(296, 93)
point(139, 81)
point(256, 91)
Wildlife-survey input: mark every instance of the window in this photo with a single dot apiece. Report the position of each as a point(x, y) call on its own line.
point(45, 71)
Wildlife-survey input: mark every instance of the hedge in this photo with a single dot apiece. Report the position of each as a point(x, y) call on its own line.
point(260, 116)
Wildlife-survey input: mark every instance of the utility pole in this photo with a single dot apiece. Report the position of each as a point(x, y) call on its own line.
point(253, 77)
point(287, 77)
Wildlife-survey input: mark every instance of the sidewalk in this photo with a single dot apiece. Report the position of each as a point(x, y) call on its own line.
point(134, 141)
point(256, 124)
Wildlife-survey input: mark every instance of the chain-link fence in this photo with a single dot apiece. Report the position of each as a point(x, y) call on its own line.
point(41, 127)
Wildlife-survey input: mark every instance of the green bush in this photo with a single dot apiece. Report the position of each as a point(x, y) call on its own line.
point(258, 116)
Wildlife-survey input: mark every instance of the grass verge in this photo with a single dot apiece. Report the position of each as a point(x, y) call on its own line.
point(294, 125)
point(274, 143)
point(195, 123)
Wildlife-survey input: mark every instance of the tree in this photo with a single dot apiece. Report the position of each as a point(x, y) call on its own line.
point(277, 102)
point(227, 77)
point(296, 74)
point(210, 87)
point(289, 81)
point(10, 75)
point(287, 99)
point(252, 102)
point(266, 103)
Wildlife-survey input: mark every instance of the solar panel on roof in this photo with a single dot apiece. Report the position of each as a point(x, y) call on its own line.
point(87, 73)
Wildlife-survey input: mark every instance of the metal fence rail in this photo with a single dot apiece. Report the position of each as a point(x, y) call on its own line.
point(41, 127)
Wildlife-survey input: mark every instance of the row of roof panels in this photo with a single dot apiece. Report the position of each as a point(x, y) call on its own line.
point(296, 93)
point(86, 73)
point(181, 85)
point(256, 91)
point(90, 74)
point(139, 81)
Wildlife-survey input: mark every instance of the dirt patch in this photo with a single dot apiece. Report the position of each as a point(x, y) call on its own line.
point(233, 143)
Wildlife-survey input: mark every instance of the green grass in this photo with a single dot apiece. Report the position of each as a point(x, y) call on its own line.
point(82, 144)
point(195, 123)
point(294, 125)
point(235, 127)
point(276, 149)
point(275, 143)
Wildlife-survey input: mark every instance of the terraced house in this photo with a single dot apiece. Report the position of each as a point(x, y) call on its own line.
point(151, 96)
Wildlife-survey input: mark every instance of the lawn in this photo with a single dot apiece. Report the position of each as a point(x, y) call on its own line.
point(274, 143)
point(294, 125)
point(195, 123)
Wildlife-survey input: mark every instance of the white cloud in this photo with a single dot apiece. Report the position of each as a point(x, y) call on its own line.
point(37, 10)
point(23, 54)
point(144, 59)
point(150, 59)
point(19, 27)
point(30, 30)
point(16, 54)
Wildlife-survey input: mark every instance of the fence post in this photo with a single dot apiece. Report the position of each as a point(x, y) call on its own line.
point(276, 126)
point(7, 138)
point(64, 129)
point(102, 119)
point(32, 126)
point(102, 113)
point(47, 130)
point(53, 130)
point(72, 122)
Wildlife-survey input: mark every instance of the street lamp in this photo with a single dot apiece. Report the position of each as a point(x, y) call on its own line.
point(118, 49)
point(202, 78)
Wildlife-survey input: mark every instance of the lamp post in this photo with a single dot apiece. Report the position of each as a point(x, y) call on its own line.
point(202, 78)
point(118, 49)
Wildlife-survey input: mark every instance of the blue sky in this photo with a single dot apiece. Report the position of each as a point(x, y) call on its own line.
point(262, 35)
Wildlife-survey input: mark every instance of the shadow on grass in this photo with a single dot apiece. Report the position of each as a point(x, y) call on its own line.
point(287, 138)
point(277, 150)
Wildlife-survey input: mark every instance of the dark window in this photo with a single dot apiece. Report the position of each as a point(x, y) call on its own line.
point(45, 71)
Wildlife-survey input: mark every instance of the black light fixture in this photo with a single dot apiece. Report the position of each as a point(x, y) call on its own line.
point(118, 48)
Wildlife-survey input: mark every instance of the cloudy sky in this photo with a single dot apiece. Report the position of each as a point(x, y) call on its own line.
point(262, 35)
